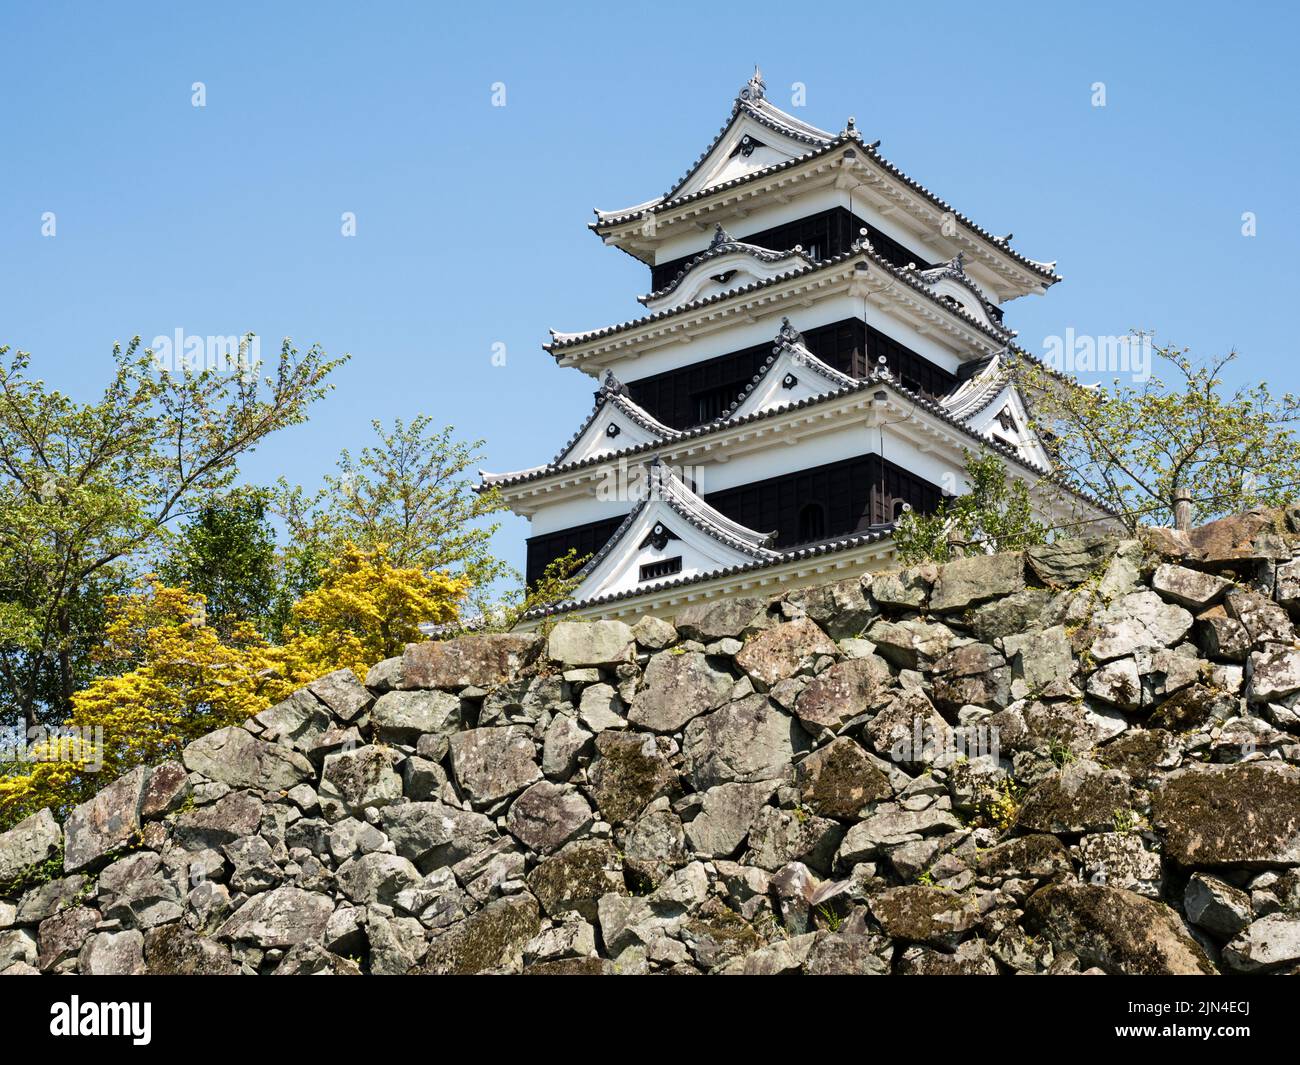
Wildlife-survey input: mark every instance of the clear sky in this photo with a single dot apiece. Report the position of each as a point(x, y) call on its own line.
point(471, 219)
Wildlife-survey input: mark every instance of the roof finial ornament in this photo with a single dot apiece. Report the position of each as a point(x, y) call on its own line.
point(612, 383)
point(958, 262)
point(755, 89)
point(788, 334)
point(720, 236)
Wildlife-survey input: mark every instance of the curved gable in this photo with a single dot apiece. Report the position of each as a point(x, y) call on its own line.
point(726, 265)
point(966, 298)
point(757, 135)
point(950, 283)
point(615, 424)
point(1005, 418)
point(791, 375)
point(672, 535)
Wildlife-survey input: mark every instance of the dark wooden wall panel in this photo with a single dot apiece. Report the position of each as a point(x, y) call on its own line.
point(693, 395)
point(696, 394)
point(587, 539)
point(821, 236)
point(853, 494)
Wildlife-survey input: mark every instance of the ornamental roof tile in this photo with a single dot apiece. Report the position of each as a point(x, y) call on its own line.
point(612, 392)
point(862, 249)
point(876, 379)
point(792, 554)
point(723, 243)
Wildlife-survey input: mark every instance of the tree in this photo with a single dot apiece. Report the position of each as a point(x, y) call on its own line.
point(86, 488)
point(227, 554)
point(556, 584)
point(365, 609)
point(1139, 445)
point(411, 493)
point(170, 679)
point(996, 514)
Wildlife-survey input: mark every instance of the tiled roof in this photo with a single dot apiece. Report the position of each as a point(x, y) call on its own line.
point(562, 341)
point(979, 390)
point(1046, 270)
point(723, 244)
point(611, 391)
point(793, 554)
point(876, 379)
point(820, 142)
point(608, 219)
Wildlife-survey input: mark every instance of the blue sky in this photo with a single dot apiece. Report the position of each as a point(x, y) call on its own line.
point(471, 219)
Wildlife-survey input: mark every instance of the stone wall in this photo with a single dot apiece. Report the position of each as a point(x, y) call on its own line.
point(1083, 757)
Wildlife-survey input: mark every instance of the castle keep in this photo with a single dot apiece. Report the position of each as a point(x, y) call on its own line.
point(822, 339)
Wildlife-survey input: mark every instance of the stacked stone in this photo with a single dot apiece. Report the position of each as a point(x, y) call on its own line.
point(1081, 757)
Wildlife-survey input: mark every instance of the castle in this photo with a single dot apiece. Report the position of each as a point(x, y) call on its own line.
point(822, 341)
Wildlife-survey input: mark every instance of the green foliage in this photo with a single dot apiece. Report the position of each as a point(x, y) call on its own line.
point(1125, 821)
point(994, 515)
point(86, 489)
point(556, 584)
point(412, 493)
point(35, 876)
point(227, 554)
point(832, 919)
point(1137, 445)
point(1002, 808)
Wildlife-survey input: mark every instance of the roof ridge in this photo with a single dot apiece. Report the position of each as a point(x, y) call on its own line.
point(875, 378)
point(723, 243)
point(752, 101)
point(982, 388)
point(859, 247)
point(707, 518)
point(788, 339)
point(612, 390)
point(850, 134)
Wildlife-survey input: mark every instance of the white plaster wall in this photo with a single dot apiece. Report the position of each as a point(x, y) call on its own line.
point(742, 334)
point(620, 571)
point(807, 203)
point(773, 459)
point(597, 441)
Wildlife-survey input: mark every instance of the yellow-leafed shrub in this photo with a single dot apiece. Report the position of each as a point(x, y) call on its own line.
point(172, 678)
